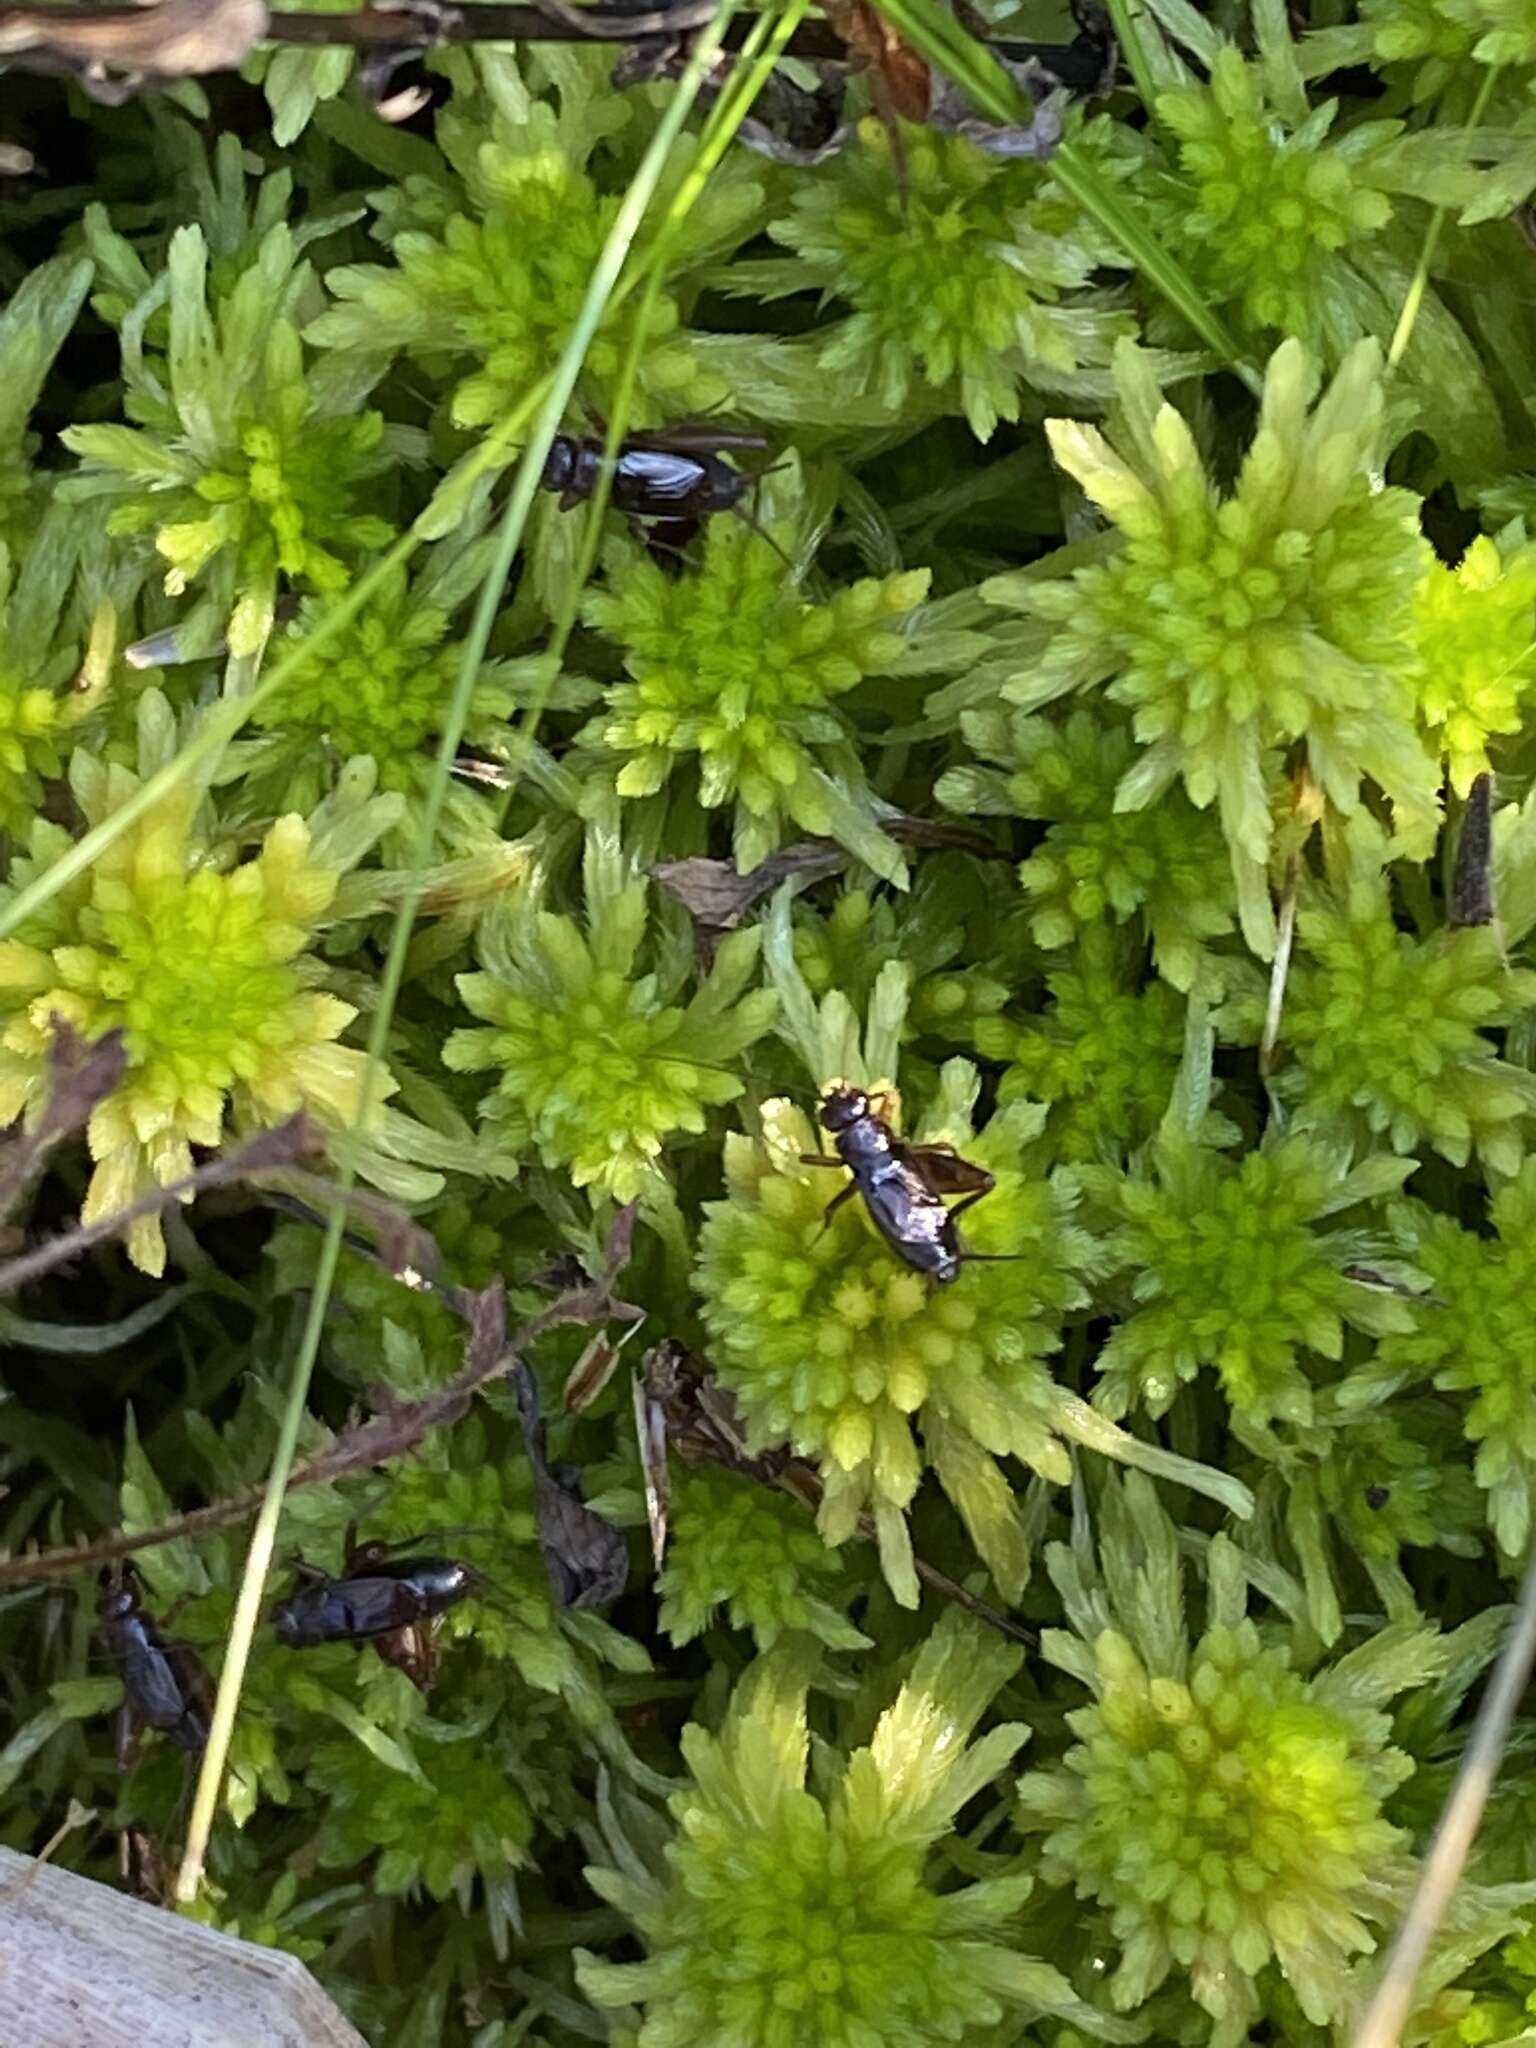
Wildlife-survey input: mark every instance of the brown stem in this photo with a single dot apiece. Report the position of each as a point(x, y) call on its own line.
point(703, 1429)
point(106, 33)
point(400, 1428)
point(1077, 64)
point(488, 1351)
point(81, 1074)
point(264, 1153)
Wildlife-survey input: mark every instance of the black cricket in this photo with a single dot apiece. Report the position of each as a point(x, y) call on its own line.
point(662, 477)
point(388, 1601)
point(667, 483)
point(166, 1686)
point(903, 1185)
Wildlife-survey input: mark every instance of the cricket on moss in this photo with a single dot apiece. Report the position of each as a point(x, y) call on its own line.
point(901, 1185)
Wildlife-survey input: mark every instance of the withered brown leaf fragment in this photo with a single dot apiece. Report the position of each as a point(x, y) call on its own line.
point(1472, 879)
point(282, 1146)
point(899, 78)
point(168, 39)
point(1038, 138)
point(655, 1470)
point(586, 1557)
point(413, 1650)
point(81, 1073)
point(593, 1370)
point(677, 1405)
point(484, 1310)
point(717, 897)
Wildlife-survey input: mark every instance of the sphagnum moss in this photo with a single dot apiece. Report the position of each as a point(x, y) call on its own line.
point(736, 673)
point(1467, 1338)
point(948, 281)
point(242, 465)
point(1164, 868)
point(596, 1064)
point(491, 258)
point(749, 1552)
point(202, 970)
point(785, 1915)
point(1233, 625)
point(1262, 214)
point(1226, 1809)
point(1388, 1034)
point(1476, 636)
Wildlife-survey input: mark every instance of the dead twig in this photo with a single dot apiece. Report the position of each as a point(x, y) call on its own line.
point(81, 1073)
point(393, 1431)
point(78, 1816)
point(591, 22)
point(134, 38)
point(403, 1250)
point(264, 1153)
point(171, 39)
point(683, 1406)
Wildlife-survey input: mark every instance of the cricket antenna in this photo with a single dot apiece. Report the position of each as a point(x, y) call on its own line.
point(744, 1073)
point(751, 519)
point(757, 526)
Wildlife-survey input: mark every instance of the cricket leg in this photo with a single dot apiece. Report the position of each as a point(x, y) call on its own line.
point(843, 1195)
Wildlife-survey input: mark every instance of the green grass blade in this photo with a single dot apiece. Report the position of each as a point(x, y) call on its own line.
point(561, 385)
point(1413, 299)
point(1124, 19)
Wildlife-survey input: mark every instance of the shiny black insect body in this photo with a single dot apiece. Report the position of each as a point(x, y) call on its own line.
point(903, 1185)
point(667, 483)
point(165, 1685)
point(374, 1595)
point(652, 479)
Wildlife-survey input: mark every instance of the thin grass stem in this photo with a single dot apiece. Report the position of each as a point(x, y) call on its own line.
point(726, 117)
point(1123, 18)
point(653, 273)
point(1413, 299)
point(560, 387)
point(1392, 2002)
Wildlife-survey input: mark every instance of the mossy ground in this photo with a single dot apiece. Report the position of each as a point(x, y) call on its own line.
point(1072, 667)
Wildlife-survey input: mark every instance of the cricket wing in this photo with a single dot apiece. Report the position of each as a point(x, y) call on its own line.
point(153, 1689)
point(944, 1172)
point(697, 437)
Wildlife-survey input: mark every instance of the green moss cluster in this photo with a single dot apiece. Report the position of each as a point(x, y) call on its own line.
point(1263, 212)
point(753, 1554)
point(1226, 1810)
